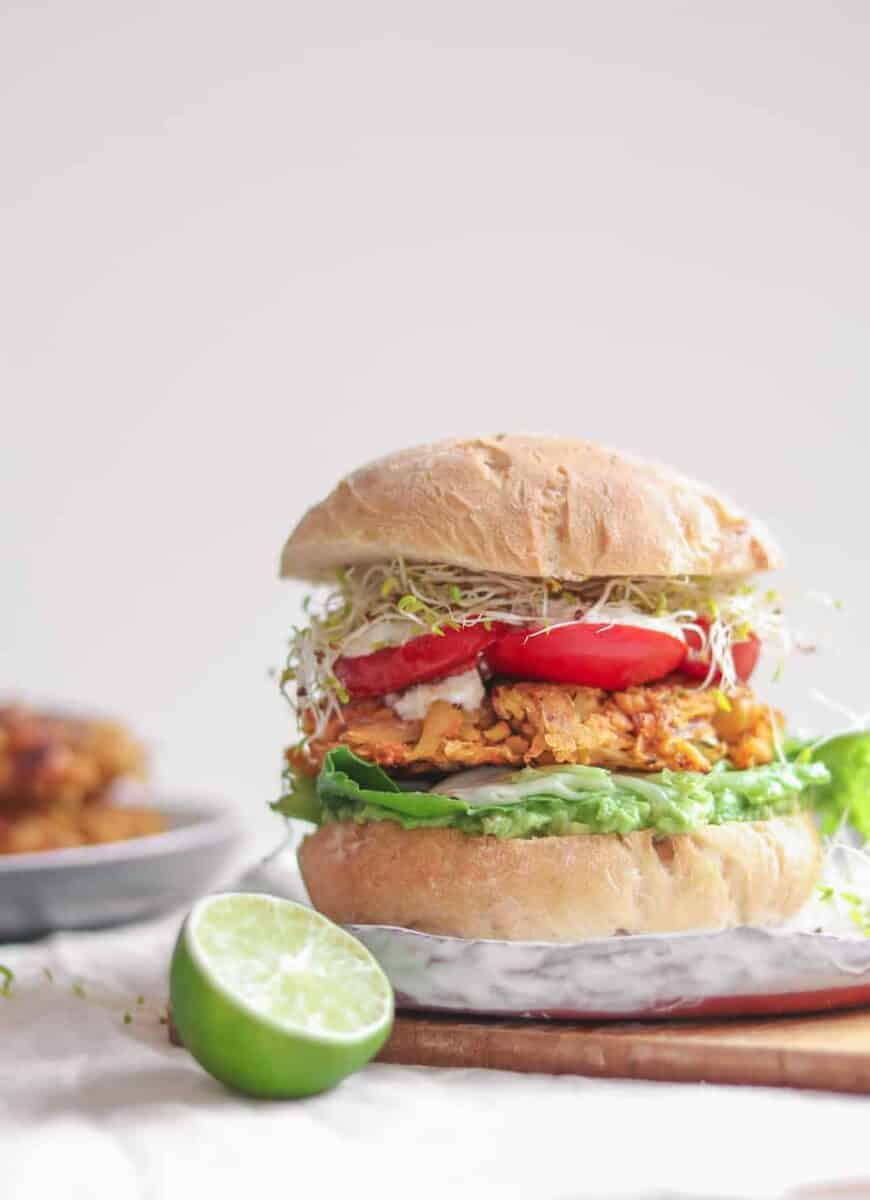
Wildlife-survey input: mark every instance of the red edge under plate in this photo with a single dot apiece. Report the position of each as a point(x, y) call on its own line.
point(714, 1006)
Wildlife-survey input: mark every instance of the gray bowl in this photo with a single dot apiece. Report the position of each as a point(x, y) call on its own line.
point(93, 887)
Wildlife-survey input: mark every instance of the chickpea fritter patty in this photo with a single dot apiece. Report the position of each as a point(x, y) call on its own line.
point(663, 725)
point(56, 775)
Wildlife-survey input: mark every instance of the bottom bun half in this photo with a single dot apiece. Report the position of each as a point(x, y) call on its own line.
point(560, 889)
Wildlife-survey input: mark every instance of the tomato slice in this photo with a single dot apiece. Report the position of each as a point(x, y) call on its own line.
point(744, 654)
point(595, 655)
point(422, 659)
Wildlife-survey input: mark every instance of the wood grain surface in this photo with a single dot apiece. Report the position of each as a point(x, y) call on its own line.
point(827, 1051)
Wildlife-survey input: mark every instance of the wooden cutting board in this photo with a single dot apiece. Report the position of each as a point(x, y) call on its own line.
point(828, 1051)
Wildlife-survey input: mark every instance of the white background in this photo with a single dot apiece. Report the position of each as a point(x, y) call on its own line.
point(245, 247)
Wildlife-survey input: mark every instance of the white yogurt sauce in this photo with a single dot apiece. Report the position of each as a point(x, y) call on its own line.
point(466, 690)
point(390, 631)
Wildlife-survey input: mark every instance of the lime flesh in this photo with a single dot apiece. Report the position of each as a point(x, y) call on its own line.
point(273, 999)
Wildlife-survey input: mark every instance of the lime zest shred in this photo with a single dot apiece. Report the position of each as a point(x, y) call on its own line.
point(722, 701)
point(8, 978)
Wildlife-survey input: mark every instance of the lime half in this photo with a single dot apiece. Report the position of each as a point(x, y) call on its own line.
point(272, 998)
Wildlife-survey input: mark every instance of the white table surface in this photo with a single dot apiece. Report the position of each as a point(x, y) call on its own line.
point(93, 1107)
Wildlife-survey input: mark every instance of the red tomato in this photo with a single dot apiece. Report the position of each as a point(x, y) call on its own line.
point(430, 656)
point(605, 656)
point(744, 655)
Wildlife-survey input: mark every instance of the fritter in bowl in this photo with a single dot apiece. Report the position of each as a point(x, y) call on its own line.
point(57, 775)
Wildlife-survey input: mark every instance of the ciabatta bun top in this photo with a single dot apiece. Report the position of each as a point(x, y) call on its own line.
point(527, 505)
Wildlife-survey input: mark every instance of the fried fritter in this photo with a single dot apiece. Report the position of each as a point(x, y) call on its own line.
point(92, 824)
point(649, 728)
point(56, 775)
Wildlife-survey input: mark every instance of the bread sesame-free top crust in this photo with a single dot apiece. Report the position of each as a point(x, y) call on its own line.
point(528, 505)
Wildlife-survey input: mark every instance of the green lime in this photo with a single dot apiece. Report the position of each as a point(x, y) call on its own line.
point(272, 998)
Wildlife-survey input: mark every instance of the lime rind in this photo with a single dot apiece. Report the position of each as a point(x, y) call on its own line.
point(273, 999)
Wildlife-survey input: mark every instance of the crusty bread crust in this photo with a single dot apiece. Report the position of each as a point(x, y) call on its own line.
point(525, 505)
point(560, 889)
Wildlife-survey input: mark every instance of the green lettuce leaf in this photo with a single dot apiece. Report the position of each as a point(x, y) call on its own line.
point(346, 780)
point(300, 799)
point(565, 799)
point(345, 777)
point(846, 796)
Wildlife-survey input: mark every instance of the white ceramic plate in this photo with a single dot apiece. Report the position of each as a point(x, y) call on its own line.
point(90, 887)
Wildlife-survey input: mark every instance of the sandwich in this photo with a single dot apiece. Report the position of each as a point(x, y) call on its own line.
point(524, 693)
